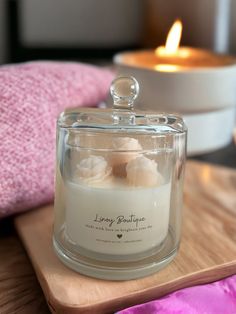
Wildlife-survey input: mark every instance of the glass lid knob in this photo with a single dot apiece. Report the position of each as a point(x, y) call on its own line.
point(124, 90)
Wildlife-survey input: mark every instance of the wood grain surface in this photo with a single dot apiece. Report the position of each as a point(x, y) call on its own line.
point(207, 252)
point(19, 289)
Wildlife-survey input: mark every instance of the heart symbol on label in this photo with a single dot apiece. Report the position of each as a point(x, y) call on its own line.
point(119, 236)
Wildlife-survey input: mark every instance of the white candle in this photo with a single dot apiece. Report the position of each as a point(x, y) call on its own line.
point(114, 214)
point(118, 199)
point(118, 220)
point(188, 81)
point(171, 57)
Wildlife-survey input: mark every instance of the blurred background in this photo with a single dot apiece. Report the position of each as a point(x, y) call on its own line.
point(95, 30)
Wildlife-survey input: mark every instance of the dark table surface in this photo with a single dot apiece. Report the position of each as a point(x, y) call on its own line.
point(20, 291)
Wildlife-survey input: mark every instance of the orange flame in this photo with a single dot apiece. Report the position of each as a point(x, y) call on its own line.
point(172, 41)
point(173, 38)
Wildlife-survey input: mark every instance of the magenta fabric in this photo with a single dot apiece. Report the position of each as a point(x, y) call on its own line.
point(215, 298)
point(31, 97)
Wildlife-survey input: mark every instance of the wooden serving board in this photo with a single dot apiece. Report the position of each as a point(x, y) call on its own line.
point(207, 252)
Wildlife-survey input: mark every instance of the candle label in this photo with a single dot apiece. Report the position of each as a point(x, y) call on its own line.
point(120, 226)
point(120, 222)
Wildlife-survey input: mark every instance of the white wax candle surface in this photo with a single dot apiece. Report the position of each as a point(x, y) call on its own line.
point(185, 59)
point(117, 221)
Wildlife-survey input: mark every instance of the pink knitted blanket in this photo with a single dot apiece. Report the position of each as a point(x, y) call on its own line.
point(31, 97)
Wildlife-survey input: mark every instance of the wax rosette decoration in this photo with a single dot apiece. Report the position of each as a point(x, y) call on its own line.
point(93, 169)
point(142, 171)
point(126, 149)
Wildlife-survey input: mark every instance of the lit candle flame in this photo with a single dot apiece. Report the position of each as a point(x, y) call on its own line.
point(173, 38)
point(172, 41)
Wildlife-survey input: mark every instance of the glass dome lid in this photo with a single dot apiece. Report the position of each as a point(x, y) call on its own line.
point(122, 117)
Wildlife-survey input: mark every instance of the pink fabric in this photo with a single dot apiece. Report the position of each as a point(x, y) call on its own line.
point(31, 97)
point(216, 298)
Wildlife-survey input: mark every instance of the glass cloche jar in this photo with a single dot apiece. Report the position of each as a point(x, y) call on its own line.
point(119, 182)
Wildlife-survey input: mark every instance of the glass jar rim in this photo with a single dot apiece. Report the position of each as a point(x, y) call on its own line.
point(97, 119)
